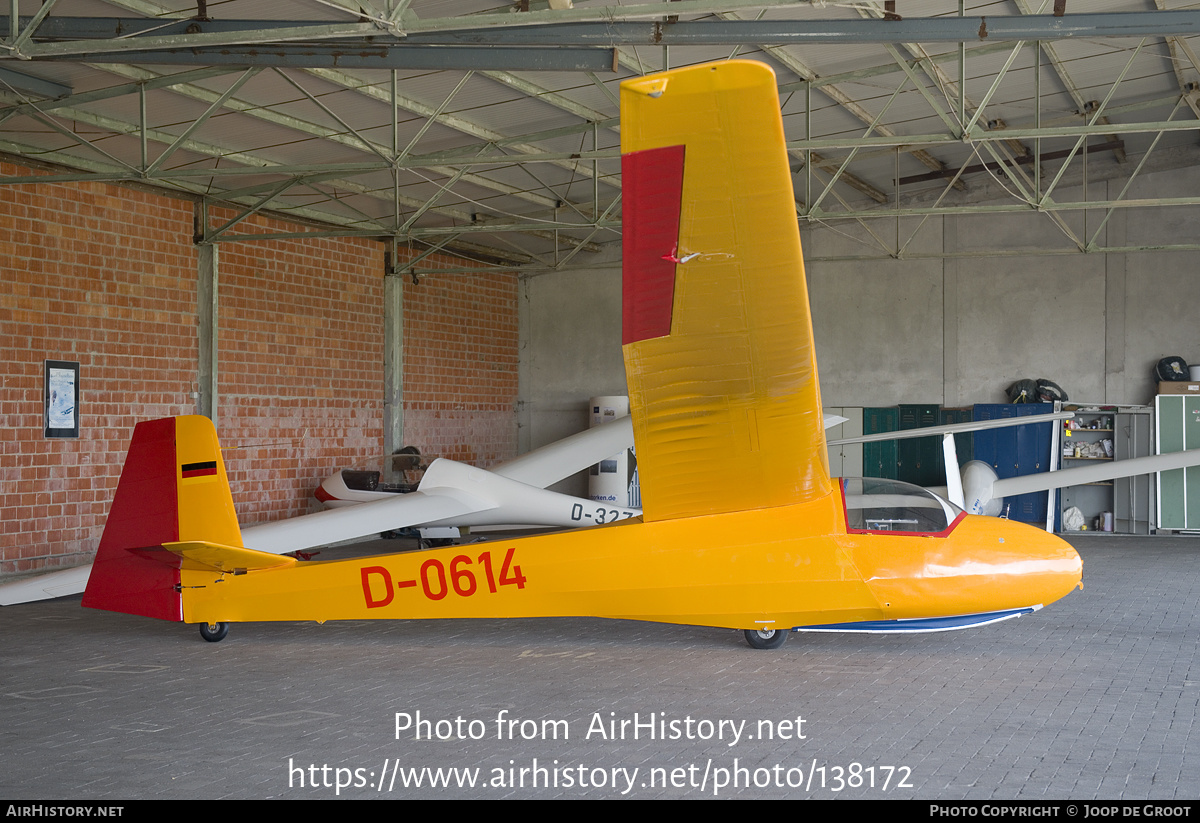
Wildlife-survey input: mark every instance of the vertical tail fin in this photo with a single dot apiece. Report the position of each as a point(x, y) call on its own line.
point(173, 488)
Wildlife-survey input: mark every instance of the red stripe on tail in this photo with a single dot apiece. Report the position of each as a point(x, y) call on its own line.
point(144, 515)
point(652, 182)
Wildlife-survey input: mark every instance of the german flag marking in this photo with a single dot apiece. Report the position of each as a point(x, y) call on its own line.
point(203, 472)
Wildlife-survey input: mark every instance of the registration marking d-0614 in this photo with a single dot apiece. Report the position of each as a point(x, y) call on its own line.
point(435, 580)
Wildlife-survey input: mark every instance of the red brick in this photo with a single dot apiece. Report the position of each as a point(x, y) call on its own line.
point(107, 276)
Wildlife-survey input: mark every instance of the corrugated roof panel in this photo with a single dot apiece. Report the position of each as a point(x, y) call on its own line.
point(270, 119)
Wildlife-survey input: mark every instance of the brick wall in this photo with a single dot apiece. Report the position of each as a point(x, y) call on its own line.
point(106, 276)
point(98, 275)
point(460, 378)
point(300, 364)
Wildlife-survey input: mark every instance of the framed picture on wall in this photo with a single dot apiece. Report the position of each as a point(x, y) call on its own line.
point(61, 397)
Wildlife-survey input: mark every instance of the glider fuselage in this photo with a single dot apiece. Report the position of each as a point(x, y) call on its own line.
point(792, 566)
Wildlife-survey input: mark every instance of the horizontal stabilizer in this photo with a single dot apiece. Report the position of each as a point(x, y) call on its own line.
point(199, 555)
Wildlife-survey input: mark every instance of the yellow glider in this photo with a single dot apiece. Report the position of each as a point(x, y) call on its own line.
point(719, 357)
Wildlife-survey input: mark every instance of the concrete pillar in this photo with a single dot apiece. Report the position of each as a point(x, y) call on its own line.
point(393, 359)
point(951, 387)
point(1114, 305)
point(206, 312)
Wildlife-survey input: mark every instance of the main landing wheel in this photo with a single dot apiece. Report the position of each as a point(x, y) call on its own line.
point(766, 638)
point(214, 632)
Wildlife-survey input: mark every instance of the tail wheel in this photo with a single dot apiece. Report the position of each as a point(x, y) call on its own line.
point(214, 632)
point(766, 638)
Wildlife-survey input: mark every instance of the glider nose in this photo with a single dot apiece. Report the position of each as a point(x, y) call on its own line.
point(1063, 567)
point(1033, 567)
point(984, 566)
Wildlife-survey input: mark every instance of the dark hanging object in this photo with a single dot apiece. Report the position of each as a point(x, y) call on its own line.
point(1171, 369)
point(1048, 391)
point(1023, 391)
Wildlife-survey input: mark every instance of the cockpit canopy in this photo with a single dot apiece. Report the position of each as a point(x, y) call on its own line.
point(875, 504)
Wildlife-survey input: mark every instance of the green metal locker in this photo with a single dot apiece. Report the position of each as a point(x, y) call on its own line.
point(879, 459)
point(1178, 427)
point(920, 458)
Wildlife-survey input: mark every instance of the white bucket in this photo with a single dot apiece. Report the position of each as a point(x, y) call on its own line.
point(1194, 372)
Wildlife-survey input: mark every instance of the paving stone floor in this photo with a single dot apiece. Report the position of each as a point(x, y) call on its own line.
point(1095, 697)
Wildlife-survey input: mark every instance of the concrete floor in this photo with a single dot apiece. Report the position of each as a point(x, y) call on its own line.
point(1095, 697)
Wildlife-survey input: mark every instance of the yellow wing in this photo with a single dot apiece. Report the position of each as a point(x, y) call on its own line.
point(718, 337)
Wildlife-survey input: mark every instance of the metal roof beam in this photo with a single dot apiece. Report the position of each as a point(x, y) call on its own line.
point(353, 56)
point(823, 144)
point(324, 171)
point(1175, 46)
point(516, 28)
point(463, 154)
point(100, 171)
point(948, 87)
point(29, 84)
point(553, 98)
point(191, 35)
point(612, 26)
point(153, 81)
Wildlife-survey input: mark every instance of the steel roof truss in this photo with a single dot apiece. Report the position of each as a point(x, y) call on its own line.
point(850, 212)
point(1095, 116)
point(1129, 182)
point(216, 106)
point(870, 128)
point(596, 230)
point(1021, 180)
point(360, 141)
point(452, 121)
point(434, 248)
point(308, 127)
point(950, 185)
point(428, 204)
point(20, 39)
point(48, 121)
point(252, 210)
point(1060, 70)
point(430, 120)
point(969, 128)
point(841, 98)
point(951, 124)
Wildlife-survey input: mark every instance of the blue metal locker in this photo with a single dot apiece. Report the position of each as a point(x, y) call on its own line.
point(1017, 451)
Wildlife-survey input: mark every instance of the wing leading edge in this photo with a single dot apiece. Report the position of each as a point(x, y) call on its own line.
point(718, 337)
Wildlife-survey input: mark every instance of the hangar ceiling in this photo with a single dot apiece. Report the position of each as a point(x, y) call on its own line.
point(491, 129)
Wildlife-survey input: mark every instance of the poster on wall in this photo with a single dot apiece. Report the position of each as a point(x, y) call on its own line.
point(61, 394)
